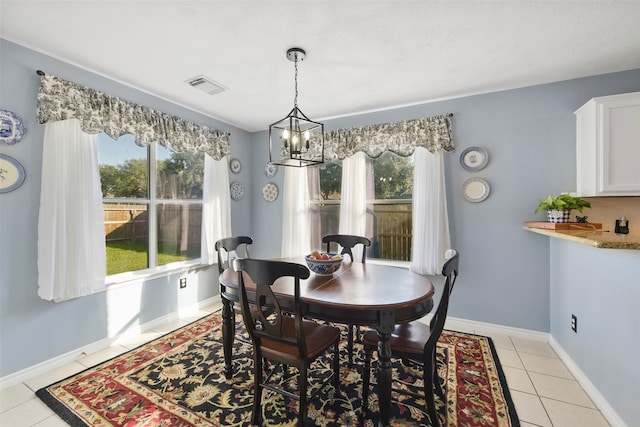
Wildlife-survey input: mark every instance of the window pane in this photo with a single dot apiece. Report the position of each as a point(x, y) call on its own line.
point(179, 232)
point(393, 176)
point(126, 227)
point(179, 175)
point(330, 181)
point(123, 168)
point(389, 213)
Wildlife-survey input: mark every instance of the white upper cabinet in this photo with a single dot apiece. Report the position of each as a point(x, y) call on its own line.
point(608, 146)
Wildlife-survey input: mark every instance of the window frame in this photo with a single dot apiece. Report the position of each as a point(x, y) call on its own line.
point(152, 201)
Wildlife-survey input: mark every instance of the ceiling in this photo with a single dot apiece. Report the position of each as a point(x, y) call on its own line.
point(361, 56)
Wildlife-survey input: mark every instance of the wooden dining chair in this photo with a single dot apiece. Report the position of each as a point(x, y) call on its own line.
point(279, 332)
point(416, 341)
point(348, 242)
point(228, 249)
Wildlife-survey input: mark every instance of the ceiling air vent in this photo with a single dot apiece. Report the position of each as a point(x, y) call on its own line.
point(205, 84)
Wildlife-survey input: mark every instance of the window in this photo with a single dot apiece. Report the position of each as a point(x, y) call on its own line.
point(152, 199)
point(389, 205)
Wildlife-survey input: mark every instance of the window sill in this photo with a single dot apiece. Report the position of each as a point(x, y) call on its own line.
point(128, 278)
point(389, 262)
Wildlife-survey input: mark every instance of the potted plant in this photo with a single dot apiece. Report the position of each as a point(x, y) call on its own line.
point(559, 207)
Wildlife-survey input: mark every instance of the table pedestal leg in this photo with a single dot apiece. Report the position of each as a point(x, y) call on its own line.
point(228, 323)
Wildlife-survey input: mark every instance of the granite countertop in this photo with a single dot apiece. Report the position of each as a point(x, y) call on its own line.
point(591, 237)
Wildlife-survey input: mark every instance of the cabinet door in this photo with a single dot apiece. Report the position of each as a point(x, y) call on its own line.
point(619, 150)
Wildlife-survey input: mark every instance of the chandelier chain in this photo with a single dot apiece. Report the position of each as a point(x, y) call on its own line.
point(295, 99)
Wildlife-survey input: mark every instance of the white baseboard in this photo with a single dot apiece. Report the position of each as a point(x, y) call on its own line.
point(73, 355)
point(594, 394)
point(482, 328)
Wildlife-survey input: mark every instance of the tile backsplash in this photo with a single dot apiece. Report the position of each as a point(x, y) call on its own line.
point(606, 210)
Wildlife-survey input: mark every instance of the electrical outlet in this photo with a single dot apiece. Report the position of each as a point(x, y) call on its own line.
point(183, 283)
point(574, 323)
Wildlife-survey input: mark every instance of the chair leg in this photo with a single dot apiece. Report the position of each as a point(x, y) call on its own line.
point(336, 368)
point(366, 377)
point(302, 403)
point(350, 346)
point(428, 394)
point(257, 389)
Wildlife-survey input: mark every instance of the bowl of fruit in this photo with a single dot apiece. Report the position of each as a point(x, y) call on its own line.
point(322, 263)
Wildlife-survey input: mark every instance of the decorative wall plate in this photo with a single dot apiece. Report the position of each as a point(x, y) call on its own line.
point(11, 128)
point(474, 158)
point(270, 192)
point(11, 174)
point(235, 165)
point(237, 190)
point(270, 170)
point(475, 190)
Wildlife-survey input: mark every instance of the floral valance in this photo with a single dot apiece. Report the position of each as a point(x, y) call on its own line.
point(60, 99)
point(402, 138)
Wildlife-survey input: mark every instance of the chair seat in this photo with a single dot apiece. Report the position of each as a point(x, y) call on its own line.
point(317, 338)
point(407, 338)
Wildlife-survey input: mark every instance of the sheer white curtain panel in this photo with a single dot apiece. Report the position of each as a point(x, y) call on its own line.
point(353, 203)
point(431, 238)
point(71, 242)
point(296, 238)
point(216, 206)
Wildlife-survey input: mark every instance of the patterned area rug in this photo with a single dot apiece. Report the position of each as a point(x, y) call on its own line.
point(178, 380)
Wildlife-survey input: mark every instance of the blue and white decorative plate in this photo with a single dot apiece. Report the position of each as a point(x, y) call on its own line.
point(11, 174)
point(475, 190)
point(270, 192)
point(235, 165)
point(11, 128)
point(474, 158)
point(237, 190)
point(270, 170)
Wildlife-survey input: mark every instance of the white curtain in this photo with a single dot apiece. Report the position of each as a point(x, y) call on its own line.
point(431, 237)
point(353, 203)
point(71, 243)
point(216, 206)
point(296, 238)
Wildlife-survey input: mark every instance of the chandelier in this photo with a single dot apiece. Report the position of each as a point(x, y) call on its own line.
point(296, 140)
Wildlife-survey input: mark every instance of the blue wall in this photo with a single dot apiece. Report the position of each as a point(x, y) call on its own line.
point(602, 288)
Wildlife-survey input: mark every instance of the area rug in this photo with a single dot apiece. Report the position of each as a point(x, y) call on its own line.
point(178, 380)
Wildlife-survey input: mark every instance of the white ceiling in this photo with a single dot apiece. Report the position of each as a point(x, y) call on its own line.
point(361, 55)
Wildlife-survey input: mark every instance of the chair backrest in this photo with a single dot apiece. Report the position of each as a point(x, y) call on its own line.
point(271, 315)
point(348, 241)
point(230, 246)
point(450, 272)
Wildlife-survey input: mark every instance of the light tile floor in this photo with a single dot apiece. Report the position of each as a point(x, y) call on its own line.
point(543, 390)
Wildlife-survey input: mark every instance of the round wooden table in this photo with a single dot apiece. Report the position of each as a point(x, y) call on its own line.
point(372, 295)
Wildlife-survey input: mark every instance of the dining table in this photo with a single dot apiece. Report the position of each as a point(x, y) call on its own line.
point(363, 294)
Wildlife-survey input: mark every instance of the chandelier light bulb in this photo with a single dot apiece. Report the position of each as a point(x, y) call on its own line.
point(285, 134)
point(307, 135)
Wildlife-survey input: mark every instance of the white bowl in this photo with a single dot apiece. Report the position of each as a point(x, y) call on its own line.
point(324, 267)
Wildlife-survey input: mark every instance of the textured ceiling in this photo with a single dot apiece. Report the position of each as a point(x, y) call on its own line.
point(361, 55)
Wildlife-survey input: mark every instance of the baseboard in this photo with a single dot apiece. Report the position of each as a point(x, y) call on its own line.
point(491, 328)
point(73, 355)
point(594, 394)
